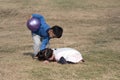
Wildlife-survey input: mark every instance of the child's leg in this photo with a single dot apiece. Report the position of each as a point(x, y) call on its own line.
point(37, 42)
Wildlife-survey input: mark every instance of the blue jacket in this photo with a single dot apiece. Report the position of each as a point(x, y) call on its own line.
point(42, 31)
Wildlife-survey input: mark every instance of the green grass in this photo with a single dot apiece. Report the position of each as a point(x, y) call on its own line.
point(90, 26)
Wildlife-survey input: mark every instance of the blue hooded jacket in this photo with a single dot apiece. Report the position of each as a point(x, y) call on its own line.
point(42, 31)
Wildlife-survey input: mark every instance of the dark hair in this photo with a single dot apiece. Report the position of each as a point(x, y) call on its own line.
point(45, 54)
point(57, 30)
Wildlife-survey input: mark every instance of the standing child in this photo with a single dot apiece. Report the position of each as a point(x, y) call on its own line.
point(42, 36)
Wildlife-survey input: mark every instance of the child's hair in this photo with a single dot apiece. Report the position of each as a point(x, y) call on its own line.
point(57, 30)
point(45, 54)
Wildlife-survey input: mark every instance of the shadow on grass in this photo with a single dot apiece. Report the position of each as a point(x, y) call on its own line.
point(28, 54)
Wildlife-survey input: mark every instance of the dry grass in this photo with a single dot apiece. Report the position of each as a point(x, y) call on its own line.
point(90, 26)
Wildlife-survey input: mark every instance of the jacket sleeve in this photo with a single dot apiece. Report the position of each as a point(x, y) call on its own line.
point(40, 17)
point(44, 43)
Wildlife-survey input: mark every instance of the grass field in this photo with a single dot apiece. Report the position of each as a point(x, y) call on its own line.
point(90, 26)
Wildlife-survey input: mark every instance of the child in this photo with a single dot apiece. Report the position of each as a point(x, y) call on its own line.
point(61, 55)
point(42, 36)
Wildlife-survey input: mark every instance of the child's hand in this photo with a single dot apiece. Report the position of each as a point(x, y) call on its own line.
point(29, 17)
point(46, 62)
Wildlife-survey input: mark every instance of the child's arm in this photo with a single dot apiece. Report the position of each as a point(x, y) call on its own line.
point(44, 43)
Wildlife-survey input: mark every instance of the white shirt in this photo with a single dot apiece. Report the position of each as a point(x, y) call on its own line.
point(69, 54)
